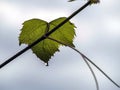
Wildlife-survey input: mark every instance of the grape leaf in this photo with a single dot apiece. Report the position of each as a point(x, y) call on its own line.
point(35, 28)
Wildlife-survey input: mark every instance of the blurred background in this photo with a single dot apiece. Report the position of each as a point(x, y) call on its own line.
point(97, 36)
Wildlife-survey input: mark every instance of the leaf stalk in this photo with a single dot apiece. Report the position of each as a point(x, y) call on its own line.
point(86, 58)
point(94, 76)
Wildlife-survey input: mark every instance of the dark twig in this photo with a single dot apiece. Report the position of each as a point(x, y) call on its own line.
point(43, 37)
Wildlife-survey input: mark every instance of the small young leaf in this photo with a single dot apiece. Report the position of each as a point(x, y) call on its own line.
point(94, 1)
point(35, 28)
point(71, 0)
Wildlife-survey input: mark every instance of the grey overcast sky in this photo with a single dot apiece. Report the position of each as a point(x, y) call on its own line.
point(97, 36)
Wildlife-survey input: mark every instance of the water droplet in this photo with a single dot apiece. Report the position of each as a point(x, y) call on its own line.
point(46, 64)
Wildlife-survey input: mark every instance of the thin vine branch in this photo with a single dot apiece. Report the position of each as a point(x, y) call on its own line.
point(47, 34)
point(94, 76)
point(85, 57)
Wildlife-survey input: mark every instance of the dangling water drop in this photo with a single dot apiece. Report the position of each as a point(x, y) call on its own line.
point(46, 64)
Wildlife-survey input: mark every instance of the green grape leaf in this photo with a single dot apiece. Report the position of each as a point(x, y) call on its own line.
point(35, 28)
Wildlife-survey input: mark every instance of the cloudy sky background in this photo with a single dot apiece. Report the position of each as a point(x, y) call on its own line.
point(98, 37)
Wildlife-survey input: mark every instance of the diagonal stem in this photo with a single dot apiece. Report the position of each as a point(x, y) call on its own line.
point(94, 76)
point(43, 37)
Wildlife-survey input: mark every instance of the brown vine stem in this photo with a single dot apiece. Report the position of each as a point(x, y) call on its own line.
point(86, 58)
point(47, 34)
point(94, 76)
